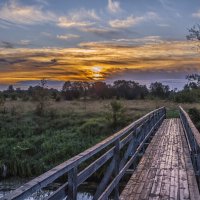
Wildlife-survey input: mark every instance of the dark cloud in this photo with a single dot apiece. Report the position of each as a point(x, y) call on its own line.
point(7, 45)
point(114, 60)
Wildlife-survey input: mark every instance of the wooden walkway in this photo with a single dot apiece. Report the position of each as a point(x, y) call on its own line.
point(165, 171)
point(169, 167)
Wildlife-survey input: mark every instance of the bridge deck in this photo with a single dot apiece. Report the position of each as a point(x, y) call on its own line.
point(165, 171)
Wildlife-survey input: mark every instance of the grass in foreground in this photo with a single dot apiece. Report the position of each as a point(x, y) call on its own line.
point(31, 144)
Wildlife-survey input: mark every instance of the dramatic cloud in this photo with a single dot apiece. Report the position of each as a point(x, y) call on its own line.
point(67, 36)
point(197, 14)
point(125, 23)
point(121, 37)
point(103, 32)
point(65, 22)
point(117, 58)
point(114, 6)
point(131, 20)
point(14, 12)
point(139, 41)
point(82, 13)
point(25, 42)
point(5, 44)
point(78, 18)
point(10, 45)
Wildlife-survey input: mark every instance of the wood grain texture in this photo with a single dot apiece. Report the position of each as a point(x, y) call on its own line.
point(165, 171)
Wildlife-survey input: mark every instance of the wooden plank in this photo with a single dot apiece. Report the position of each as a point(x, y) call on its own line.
point(165, 186)
point(154, 168)
point(144, 167)
point(165, 171)
point(156, 186)
point(183, 180)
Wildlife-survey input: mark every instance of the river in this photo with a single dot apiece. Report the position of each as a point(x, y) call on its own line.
point(8, 185)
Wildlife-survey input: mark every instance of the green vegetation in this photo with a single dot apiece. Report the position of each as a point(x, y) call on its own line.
point(32, 143)
point(121, 89)
point(195, 116)
point(172, 113)
point(41, 127)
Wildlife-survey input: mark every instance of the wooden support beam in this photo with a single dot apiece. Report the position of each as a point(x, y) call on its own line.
point(116, 168)
point(72, 184)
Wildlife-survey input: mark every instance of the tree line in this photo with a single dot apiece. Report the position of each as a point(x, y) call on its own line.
point(120, 89)
point(72, 90)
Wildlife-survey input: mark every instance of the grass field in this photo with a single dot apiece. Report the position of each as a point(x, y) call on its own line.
point(133, 107)
point(32, 144)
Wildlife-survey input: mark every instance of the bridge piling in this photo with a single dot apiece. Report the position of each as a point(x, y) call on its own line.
point(72, 184)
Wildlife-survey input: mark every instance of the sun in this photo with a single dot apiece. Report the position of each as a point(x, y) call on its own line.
point(96, 69)
point(96, 72)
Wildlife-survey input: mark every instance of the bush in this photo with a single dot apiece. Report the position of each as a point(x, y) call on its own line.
point(58, 98)
point(13, 97)
point(42, 97)
point(195, 116)
point(116, 113)
point(93, 127)
point(187, 96)
point(2, 104)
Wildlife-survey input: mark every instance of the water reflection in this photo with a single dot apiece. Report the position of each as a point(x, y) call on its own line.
point(6, 186)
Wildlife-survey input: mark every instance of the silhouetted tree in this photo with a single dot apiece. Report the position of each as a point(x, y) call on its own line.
point(193, 81)
point(99, 90)
point(10, 89)
point(129, 89)
point(74, 90)
point(157, 89)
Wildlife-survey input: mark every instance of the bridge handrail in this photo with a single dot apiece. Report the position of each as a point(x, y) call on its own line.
point(193, 140)
point(58, 171)
point(190, 125)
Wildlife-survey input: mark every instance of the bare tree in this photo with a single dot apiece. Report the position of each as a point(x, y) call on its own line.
point(41, 96)
point(194, 33)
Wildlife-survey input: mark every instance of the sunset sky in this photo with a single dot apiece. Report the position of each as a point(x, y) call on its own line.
point(141, 40)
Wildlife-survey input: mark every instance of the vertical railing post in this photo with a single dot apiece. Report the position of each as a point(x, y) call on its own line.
point(116, 168)
point(153, 119)
point(143, 133)
point(165, 112)
point(72, 184)
point(156, 118)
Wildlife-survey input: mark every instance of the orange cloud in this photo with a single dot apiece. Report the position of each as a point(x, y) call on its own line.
point(111, 58)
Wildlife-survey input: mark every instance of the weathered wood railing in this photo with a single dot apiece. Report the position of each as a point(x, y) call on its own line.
point(117, 153)
point(193, 140)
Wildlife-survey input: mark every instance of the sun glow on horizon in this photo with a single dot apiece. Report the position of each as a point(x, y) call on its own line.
point(97, 63)
point(97, 73)
point(96, 69)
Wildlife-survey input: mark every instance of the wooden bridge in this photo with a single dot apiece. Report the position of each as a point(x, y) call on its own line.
point(161, 155)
